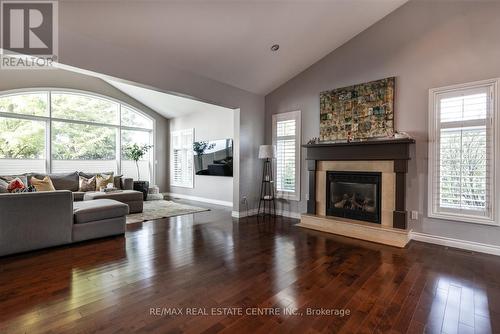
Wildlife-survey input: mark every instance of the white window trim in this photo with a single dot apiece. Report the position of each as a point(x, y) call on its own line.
point(432, 211)
point(295, 196)
point(49, 119)
point(190, 156)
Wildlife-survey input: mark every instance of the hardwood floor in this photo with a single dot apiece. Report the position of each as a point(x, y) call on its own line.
point(208, 260)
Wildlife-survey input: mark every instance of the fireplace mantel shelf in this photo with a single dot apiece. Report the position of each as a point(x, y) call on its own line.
point(363, 143)
point(386, 149)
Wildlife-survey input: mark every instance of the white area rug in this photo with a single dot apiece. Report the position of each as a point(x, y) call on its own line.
point(162, 209)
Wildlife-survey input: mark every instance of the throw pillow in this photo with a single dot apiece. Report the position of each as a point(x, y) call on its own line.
point(42, 185)
point(102, 180)
point(29, 189)
point(10, 178)
point(86, 184)
point(117, 181)
point(16, 185)
point(4, 185)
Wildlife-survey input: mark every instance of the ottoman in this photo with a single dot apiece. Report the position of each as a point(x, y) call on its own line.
point(98, 218)
point(134, 199)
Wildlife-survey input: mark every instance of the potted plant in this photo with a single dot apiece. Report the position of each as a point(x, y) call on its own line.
point(136, 152)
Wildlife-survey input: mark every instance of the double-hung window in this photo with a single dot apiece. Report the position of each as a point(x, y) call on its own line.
point(462, 152)
point(287, 138)
point(182, 158)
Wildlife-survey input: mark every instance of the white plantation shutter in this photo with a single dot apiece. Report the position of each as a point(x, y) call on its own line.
point(286, 138)
point(182, 158)
point(462, 159)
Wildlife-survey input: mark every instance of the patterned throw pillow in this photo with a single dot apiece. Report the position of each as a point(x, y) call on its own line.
point(16, 185)
point(102, 180)
point(29, 189)
point(42, 185)
point(86, 184)
point(10, 178)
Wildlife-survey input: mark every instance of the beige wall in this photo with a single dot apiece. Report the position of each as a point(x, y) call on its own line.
point(12, 79)
point(424, 44)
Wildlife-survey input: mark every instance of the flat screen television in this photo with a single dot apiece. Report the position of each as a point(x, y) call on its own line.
point(213, 157)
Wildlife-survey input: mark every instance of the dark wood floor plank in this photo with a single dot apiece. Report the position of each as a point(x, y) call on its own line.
point(209, 260)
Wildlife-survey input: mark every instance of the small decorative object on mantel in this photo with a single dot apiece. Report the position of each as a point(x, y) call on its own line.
point(401, 135)
point(267, 152)
point(365, 111)
point(314, 140)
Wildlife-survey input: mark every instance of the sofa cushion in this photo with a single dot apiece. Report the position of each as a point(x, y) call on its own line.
point(4, 185)
point(78, 196)
point(16, 185)
point(42, 185)
point(91, 211)
point(102, 180)
point(86, 184)
point(121, 196)
point(117, 179)
point(61, 181)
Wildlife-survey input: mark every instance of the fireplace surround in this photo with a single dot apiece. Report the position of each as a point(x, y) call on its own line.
point(387, 158)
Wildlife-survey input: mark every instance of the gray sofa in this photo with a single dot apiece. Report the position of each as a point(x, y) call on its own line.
point(30, 221)
point(69, 181)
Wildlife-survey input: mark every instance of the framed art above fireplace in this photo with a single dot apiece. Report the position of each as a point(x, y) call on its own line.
point(360, 111)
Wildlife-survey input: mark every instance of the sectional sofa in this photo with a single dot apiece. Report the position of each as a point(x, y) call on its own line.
point(30, 221)
point(70, 181)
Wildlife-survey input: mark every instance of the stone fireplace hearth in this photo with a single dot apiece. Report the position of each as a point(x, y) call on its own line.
point(358, 190)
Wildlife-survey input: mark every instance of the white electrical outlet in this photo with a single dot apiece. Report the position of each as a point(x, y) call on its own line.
point(307, 197)
point(414, 215)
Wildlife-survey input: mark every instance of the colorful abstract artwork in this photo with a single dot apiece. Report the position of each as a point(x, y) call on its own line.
point(358, 112)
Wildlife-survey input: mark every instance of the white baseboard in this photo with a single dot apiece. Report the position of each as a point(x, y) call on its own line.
point(253, 212)
point(201, 199)
point(456, 243)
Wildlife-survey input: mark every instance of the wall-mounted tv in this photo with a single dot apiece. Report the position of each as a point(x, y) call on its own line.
point(213, 157)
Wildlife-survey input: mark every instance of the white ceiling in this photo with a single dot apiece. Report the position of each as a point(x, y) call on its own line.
point(229, 41)
point(167, 105)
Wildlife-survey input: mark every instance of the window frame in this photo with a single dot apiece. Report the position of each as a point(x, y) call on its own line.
point(190, 156)
point(48, 119)
point(291, 115)
point(493, 121)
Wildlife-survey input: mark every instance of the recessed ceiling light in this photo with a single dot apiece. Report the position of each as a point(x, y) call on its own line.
point(275, 47)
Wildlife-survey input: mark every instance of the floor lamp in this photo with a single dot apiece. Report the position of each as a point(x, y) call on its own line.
point(267, 198)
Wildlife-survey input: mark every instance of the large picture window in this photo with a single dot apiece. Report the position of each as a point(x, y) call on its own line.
point(54, 131)
point(462, 152)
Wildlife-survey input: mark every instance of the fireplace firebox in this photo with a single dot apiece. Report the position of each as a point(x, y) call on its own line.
point(354, 195)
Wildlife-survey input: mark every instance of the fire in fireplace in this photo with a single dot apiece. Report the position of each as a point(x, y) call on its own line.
point(354, 195)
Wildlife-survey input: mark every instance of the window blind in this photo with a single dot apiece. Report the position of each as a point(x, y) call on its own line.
point(286, 138)
point(182, 158)
point(462, 164)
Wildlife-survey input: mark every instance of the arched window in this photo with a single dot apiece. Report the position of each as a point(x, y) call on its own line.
point(50, 131)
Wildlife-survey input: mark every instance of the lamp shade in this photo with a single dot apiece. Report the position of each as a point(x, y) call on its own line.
point(267, 151)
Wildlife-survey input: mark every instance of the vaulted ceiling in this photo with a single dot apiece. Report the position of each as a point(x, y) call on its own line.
point(229, 41)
